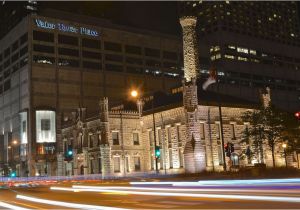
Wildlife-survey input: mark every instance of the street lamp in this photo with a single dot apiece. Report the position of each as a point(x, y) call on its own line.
point(134, 94)
point(284, 145)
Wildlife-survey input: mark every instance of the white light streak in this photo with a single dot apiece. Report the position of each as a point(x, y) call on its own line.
point(82, 188)
point(65, 204)
point(9, 206)
point(235, 197)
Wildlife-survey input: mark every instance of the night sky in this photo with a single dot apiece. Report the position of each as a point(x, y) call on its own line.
point(158, 16)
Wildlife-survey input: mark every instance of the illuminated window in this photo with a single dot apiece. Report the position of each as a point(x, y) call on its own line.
point(213, 58)
point(231, 47)
point(229, 56)
point(253, 52)
point(218, 56)
point(228, 13)
point(242, 50)
point(242, 58)
point(217, 48)
point(264, 55)
point(292, 35)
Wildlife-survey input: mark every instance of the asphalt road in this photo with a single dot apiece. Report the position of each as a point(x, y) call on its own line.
point(155, 196)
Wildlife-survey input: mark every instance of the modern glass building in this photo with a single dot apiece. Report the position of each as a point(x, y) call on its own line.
point(52, 66)
point(253, 45)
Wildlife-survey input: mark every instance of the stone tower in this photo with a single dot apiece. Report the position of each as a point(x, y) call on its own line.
point(105, 148)
point(194, 153)
point(265, 97)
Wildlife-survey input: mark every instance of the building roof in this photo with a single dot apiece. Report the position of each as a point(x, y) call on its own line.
point(160, 101)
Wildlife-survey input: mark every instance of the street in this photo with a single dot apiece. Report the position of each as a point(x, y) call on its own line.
point(231, 194)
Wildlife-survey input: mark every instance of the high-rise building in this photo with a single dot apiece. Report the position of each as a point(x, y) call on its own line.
point(252, 45)
point(55, 62)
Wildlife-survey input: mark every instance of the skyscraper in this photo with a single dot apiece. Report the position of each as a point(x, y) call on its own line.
point(252, 45)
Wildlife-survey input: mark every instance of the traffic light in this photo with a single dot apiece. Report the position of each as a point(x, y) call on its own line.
point(69, 154)
point(13, 174)
point(297, 115)
point(157, 152)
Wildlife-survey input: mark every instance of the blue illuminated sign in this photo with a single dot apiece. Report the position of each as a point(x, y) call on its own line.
point(65, 28)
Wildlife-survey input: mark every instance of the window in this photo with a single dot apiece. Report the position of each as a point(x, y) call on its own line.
point(113, 46)
point(178, 133)
point(6, 74)
point(70, 40)
point(202, 131)
point(68, 62)
point(232, 131)
point(137, 163)
point(43, 48)
point(151, 142)
point(6, 52)
point(91, 65)
point(220, 155)
point(133, 49)
point(23, 39)
point(117, 166)
point(67, 51)
point(23, 51)
point(242, 58)
point(253, 52)
point(170, 55)
point(218, 130)
point(43, 59)
point(115, 58)
point(242, 50)
point(136, 140)
point(15, 57)
point(6, 85)
point(6, 63)
point(43, 36)
point(154, 63)
point(91, 43)
point(111, 67)
point(135, 70)
point(115, 138)
point(152, 52)
point(93, 55)
point(45, 124)
point(24, 129)
point(23, 62)
point(132, 60)
point(15, 46)
point(229, 56)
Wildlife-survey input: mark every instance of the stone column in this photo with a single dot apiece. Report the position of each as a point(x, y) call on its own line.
point(106, 160)
point(85, 161)
point(194, 153)
point(190, 48)
point(60, 164)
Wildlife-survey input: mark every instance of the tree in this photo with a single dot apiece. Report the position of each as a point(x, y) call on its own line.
point(292, 135)
point(268, 126)
point(253, 135)
point(274, 124)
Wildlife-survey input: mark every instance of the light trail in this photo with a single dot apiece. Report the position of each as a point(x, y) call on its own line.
point(65, 204)
point(79, 187)
point(239, 197)
point(9, 206)
point(224, 182)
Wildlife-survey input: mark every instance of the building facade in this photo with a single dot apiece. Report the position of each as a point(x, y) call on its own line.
point(51, 66)
point(129, 146)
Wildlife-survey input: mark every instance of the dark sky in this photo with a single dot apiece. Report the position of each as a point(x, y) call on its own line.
point(159, 16)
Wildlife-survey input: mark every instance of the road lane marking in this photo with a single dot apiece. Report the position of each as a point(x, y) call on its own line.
point(202, 195)
point(66, 204)
point(10, 206)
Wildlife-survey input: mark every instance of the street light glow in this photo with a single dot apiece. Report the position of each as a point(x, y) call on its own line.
point(284, 145)
point(134, 93)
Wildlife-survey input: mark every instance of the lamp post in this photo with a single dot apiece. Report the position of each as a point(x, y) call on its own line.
point(134, 94)
point(284, 145)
